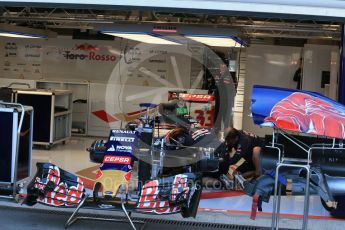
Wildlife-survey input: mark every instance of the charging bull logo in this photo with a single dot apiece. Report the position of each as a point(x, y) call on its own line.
point(58, 192)
point(301, 112)
point(86, 47)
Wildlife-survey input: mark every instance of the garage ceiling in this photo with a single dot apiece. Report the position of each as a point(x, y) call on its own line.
point(252, 29)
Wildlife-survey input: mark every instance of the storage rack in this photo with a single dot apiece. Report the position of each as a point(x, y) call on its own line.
point(53, 114)
point(80, 99)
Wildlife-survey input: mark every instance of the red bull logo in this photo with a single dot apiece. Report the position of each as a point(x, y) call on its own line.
point(86, 47)
point(62, 193)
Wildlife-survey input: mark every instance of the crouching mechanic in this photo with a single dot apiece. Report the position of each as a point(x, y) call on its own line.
point(241, 153)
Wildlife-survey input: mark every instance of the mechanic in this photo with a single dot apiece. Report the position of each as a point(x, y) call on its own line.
point(223, 93)
point(241, 153)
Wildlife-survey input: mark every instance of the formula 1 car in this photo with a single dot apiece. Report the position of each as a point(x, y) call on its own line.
point(312, 161)
point(169, 169)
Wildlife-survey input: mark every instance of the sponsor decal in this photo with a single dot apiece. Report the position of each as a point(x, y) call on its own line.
point(120, 148)
point(33, 55)
point(157, 61)
point(117, 160)
point(108, 193)
point(62, 193)
point(11, 49)
point(164, 29)
point(91, 56)
point(10, 54)
point(196, 97)
point(11, 46)
point(200, 133)
point(149, 200)
point(123, 139)
point(179, 187)
point(38, 184)
point(132, 55)
point(33, 46)
point(158, 52)
point(122, 131)
point(111, 149)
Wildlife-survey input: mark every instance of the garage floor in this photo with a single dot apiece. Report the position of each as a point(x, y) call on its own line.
point(36, 220)
point(216, 206)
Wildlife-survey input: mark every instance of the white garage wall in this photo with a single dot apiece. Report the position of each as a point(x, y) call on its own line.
point(47, 59)
point(271, 66)
point(317, 58)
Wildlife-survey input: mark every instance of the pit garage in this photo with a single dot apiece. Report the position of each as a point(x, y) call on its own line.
point(77, 78)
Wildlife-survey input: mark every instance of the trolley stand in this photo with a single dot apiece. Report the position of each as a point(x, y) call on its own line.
point(292, 163)
point(73, 218)
point(277, 196)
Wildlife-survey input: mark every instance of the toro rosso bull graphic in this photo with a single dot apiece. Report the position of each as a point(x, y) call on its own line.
point(302, 111)
point(322, 149)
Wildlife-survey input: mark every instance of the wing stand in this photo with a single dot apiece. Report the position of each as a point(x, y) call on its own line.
point(74, 218)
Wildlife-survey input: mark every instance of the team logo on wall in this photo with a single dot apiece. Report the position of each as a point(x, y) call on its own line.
point(86, 47)
point(87, 51)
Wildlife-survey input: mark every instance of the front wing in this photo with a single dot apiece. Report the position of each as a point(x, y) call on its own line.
point(56, 187)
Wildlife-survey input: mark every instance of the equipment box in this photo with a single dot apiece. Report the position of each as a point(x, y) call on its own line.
point(53, 114)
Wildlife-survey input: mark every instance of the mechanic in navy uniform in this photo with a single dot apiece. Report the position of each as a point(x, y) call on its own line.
point(240, 153)
point(246, 158)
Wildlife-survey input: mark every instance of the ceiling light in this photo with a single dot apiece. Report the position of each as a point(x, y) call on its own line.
point(19, 35)
point(13, 31)
point(219, 41)
point(149, 38)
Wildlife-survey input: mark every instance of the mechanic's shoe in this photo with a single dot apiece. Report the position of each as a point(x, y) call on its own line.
point(227, 183)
